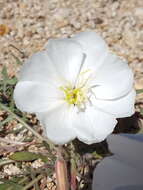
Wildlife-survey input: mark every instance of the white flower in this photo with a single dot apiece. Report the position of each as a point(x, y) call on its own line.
point(76, 88)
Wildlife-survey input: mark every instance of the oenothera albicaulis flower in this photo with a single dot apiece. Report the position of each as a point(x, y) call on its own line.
point(77, 89)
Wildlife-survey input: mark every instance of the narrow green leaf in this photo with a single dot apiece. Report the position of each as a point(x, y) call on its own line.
point(12, 180)
point(16, 131)
point(23, 156)
point(12, 81)
point(17, 59)
point(139, 91)
point(8, 119)
point(10, 186)
point(1, 83)
point(43, 158)
point(4, 73)
point(12, 104)
point(27, 156)
point(15, 179)
point(96, 155)
point(5, 78)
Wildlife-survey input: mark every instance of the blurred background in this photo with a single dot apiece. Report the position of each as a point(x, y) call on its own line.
point(28, 24)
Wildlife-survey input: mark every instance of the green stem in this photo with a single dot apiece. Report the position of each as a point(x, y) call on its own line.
point(32, 182)
point(5, 108)
point(4, 162)
point(23, 180)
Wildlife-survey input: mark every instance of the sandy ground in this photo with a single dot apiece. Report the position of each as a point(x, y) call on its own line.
point(29, 25)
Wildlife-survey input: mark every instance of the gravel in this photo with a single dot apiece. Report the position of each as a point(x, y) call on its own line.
point(29, 25)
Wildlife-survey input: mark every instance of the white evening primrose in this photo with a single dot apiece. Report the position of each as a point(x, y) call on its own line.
point(77, 89)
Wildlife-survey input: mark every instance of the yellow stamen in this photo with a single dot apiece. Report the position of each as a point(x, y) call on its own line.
point(76, 96)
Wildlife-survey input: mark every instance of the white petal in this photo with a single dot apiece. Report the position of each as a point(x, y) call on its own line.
point(58, 124)
point(123, 107)
point(40, 68)
point(93, 126)
point(94, 47)
point(66, 57)
point(36, 97)
point(114, 79)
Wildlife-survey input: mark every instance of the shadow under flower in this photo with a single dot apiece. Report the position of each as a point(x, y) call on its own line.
point(128, 124)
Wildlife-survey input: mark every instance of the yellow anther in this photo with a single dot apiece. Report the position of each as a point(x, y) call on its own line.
point(76, 96)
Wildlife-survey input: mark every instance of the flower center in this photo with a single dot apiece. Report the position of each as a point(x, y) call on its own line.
point(75, 96)
point(79, 93)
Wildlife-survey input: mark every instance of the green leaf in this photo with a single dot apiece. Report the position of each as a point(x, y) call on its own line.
point(12, 81)
point(96, 155)
point(23, 156)
point(43, 158)
point(16, 131)
point(7, 81)
point(27, 156)
point(4, 73)
point(8, 119)
point(17, 59)
point(46, 145)
point(139, 91)
point(15, 179)
point(5, 78)
point(10, 186)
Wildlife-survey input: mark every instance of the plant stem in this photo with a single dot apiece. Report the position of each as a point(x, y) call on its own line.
point(61, 171)
point(11, 142)
point(4, 162)
point(32, 182)
point(23, 180)
point(17, 49)
point(5, 108)
point(73, 169)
